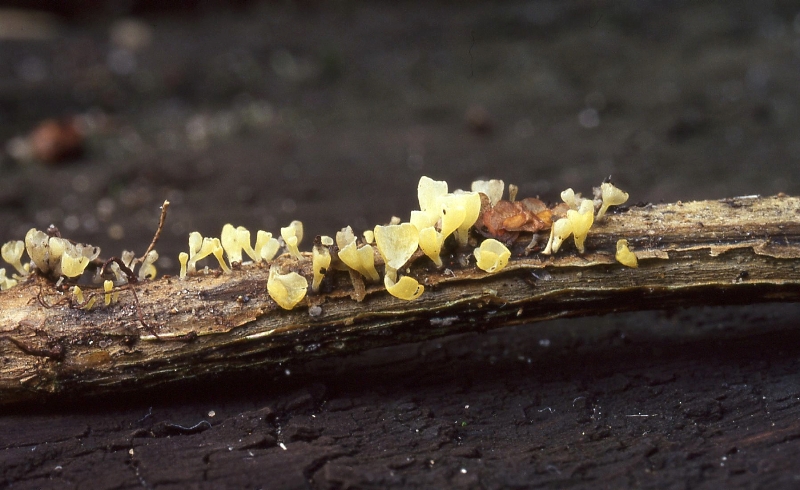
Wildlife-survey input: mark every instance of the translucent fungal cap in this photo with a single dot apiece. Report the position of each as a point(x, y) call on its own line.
point(430, 241)
point(183, 258)
point(396, 243)
point(286, 289)
point(571, 199)
point(428, 192)
point(148, 269)
point(624, 255)
point(12, 253)
point(612, 196)
point(560, 231)
point(492, 256)
point(581, 222)
point(470, 202)
point(493, 189)
point(406, 288)
point(293, 235)
point(37, 243)
point(231, 243)
point(320, 262)
point(6, 282)
point(266, 247)
point(72, 264)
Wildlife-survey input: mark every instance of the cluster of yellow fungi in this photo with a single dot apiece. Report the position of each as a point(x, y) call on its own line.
point(441, 214)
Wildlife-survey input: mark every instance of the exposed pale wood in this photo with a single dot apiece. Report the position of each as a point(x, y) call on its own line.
point(737, 250)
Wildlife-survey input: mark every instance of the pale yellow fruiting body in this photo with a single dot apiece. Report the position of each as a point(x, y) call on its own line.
point(428, 192)
point(361, 260)
point(492, 256)
point(73, 265)
point(581, 222)
point(406, 288)
point(326, 240)
point(199, 248)
point(77, 293)
point(148, 269)
point(229, 238)
point(108, 286)
point(292, 235)
point(624, 255)
point(611, 196)
point(471, 203)
point(183, 258)
point(286, 289)
point(243, 235)
point(493, 189)
point(218, 253)
point(12, 253)
point(560, 231)
point(512, 192)
point(369, 237)
point(266, 246)
point(6, 282)
point(422, 219)
point(430, 241)
point(571, 199)
point(396, 243)
point(320, 262)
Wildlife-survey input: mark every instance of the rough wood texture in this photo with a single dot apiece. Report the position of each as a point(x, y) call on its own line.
point(736, 250)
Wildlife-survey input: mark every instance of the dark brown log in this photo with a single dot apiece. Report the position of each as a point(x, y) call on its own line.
point(739, 250)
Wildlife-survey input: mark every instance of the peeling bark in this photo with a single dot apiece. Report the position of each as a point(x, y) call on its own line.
point(738, 250)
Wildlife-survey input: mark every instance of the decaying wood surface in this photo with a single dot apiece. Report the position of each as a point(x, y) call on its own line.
point(737, 250)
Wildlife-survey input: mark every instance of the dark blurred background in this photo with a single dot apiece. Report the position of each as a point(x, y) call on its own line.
point(257, 113)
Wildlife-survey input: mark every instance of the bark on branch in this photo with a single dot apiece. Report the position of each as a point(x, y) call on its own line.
point(738, 250)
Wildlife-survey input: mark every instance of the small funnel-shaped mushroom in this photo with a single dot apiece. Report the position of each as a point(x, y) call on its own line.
point(183, 258)
point(293, 235)
point(611, 197)
point(428, 192)
point(37, 246)
point(581, 222)
point(148, 269)
point(430, 241)
point(624, 255)
point(571, 199)
point(471, 202)
point(231, 244)
point(560, 231)
point(266, 247)
point(406, 288)
point(6, 282)
point(286, 289)
point(492, 256)
point(320, 262)
point(12, 253)
point(493, 189)
point(396, 243)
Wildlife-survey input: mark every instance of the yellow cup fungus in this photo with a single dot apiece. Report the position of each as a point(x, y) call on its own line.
point(581, 221)
point(6, 282)
point(571, 199)
point(148, 270)
point(492, 256)
point(396, 243)
point(77, 293)
point(430, 241)
point(200, 248)
point(286, 289)
point(493, 189)
point(406, 288)
point(12, 253)
point(624, 255)
point(292, 235)
point(612, 196)
point(266, 246)
point(560, 231)
point(183, 258)
point(108, 286)
point(361, 260)
point(230, 239)
point(320, 262)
